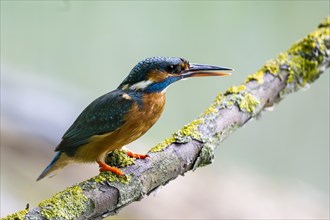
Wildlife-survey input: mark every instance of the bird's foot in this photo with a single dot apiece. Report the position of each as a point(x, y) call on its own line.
point(105, 167)
point(137, 156)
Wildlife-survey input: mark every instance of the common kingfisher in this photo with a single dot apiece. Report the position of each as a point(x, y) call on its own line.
point(125, 114)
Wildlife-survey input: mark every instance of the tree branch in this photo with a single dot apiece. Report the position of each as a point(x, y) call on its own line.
point(192, 146)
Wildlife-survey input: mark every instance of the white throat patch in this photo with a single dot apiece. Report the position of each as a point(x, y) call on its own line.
point(141, 85)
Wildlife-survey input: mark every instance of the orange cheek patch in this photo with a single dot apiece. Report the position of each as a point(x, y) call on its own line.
point(157, 76)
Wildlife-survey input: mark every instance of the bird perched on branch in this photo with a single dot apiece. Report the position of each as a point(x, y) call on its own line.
point(125, 114)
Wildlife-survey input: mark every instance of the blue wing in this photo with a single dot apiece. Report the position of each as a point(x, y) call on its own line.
point(103, 115)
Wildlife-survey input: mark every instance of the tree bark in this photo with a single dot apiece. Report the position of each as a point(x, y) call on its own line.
point(192, 146)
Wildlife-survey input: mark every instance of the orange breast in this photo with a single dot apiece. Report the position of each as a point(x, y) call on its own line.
point(137, 122)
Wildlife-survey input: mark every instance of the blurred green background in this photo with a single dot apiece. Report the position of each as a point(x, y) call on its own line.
point(57, 56)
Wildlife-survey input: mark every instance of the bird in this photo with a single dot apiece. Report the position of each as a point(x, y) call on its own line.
point(121, 116)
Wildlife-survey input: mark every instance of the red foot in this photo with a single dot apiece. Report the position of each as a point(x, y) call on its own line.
point(105, 167)
point(138, 156)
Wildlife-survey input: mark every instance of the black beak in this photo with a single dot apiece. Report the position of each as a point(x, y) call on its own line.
point(197, 70)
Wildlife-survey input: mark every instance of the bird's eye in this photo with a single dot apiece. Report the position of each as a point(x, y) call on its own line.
point(171, 68)
point(174, 68)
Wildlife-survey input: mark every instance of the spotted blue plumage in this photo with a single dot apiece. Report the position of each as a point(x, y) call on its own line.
point(140, 71)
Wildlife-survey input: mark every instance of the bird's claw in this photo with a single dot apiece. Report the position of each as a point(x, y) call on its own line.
point(137, 156)
point(104, 167)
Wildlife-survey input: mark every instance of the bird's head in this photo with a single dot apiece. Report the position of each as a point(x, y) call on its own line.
point(157, 73)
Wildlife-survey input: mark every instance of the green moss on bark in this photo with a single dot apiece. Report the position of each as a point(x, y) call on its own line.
point(111, 177)
point(68, 204)
point(20, 215)
point(119, 158)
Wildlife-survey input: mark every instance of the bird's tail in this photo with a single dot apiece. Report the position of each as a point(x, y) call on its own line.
point(59, 161)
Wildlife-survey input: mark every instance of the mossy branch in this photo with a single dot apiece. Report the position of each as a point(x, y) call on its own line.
point(192, 146)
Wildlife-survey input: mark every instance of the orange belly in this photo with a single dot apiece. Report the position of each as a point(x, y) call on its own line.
point(137, 122)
